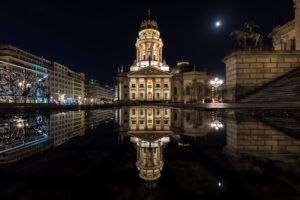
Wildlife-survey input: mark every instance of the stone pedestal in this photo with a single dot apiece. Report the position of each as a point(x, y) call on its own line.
point(248, 70)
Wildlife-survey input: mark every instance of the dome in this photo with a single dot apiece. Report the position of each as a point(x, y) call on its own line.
point(183, 67)
point(149, 23)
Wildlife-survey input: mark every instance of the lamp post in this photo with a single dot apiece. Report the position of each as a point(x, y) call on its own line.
point(215, 84)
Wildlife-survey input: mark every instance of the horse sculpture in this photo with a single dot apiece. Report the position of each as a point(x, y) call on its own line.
point(246, 34)
point(243, 38)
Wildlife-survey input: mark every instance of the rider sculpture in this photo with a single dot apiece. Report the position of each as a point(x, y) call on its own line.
point(246, 34)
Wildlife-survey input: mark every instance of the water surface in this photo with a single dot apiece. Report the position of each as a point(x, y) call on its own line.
point(150, 153)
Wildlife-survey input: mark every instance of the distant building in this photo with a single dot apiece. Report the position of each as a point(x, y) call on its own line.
point(96, 93)
point(189, 84)
point(151, 79)
point(60, 85)
point(78, 87)
point(286, 37)
point(26, 78)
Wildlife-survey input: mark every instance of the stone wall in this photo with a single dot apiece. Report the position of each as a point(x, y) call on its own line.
point(248, 70)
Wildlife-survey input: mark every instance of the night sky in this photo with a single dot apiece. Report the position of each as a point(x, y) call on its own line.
point(96, 37)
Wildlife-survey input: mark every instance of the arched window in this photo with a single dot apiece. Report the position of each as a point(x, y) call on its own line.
point(175, 91)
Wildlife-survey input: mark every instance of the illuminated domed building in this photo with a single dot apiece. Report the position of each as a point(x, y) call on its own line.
point(149, 78)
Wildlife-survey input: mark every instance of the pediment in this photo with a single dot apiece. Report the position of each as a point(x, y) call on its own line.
point(150, 71)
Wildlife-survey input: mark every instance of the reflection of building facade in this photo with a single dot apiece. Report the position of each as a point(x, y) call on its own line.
point(135, 119)
point(64, 126)
point(23, 76)
point(249, 137)
point(97, 94)
point(150, 78)
point(95, 117)
point(193, 123)
point(149, 129)
point(21, 137)
point(149, 156)
point(25, 135)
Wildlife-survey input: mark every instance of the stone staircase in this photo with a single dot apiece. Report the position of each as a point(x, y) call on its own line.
point(283, 89)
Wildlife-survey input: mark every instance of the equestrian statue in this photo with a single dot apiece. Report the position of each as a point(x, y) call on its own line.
point(246, 35)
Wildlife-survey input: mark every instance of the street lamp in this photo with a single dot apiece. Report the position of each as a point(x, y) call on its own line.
point(215, 84)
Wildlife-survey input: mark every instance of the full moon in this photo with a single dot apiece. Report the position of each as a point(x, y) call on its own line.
point(218, 24)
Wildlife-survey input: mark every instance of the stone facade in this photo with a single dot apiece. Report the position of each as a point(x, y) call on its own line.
point(283, 37)
point(287, 36)
point(150, 78)
point(246, 71)
point(190, 85)
point(249, 70)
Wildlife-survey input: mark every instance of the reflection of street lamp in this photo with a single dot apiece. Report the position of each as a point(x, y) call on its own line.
point(20, 123)
point(216, 83)
point(216, 124)
point(79, 100)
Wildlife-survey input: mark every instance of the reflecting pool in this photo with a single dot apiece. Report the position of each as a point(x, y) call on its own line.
point(150, 152)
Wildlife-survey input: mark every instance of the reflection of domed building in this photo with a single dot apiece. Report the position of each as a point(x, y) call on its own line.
point(149, 77)
point(149, 156)
point(191, 123)
point(149, 129)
